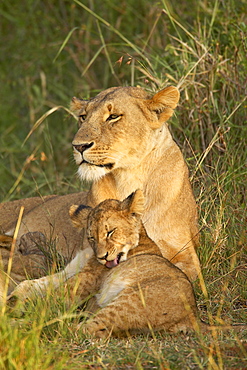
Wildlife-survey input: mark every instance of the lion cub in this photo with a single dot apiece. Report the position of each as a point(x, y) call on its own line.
point(138, 289)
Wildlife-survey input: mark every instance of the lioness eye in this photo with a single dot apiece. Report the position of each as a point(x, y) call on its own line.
point(82, 117)
point(91, 239)
point(113, 117)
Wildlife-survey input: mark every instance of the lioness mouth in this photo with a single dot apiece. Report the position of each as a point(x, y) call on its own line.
point(108, 165)
point(114, 262)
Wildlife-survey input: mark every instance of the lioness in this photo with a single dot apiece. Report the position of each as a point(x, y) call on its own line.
point(123, 144)
point(140, 290)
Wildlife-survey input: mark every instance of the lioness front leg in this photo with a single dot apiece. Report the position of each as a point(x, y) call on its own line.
point(29, 289)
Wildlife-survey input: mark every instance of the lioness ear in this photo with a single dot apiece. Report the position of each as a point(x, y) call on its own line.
point(78, 215)
point(76, 105)
point(163, 103)
point(134, 203)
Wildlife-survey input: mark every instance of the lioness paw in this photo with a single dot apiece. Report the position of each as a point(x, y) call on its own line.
point(25, 290)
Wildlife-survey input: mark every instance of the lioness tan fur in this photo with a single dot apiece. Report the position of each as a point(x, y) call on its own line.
point(140, 290)
point(123, 144)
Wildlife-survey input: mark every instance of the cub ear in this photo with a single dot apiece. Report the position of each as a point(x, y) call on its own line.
point(78, 215)
point(163, 103)
point(76, 105)
point(134, 203)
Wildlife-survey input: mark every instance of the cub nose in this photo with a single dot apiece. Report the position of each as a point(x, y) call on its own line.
point(104, 257)
point(82, 147)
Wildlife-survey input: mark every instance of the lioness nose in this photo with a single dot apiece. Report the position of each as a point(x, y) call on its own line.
point(82, 147)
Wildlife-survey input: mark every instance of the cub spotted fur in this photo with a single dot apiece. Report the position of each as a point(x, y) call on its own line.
point(123, 144)
point(140, 290)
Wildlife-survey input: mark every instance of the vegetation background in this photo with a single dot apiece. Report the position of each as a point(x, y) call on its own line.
point(52, 50)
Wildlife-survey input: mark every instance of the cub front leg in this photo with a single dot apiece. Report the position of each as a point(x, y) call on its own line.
point(85, 284)
point(109, 320)
point(125, 313)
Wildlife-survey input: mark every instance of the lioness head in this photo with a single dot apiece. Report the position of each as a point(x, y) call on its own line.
point(113, 227)
point(118, 128)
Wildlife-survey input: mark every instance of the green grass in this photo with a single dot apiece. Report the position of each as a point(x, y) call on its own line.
point(51, 51)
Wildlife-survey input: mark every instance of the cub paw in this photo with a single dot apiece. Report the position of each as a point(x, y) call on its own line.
point(95, 329)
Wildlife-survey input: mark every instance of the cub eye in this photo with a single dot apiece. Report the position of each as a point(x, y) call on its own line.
point(109, 233)
point(91, 239)
point(114, 117)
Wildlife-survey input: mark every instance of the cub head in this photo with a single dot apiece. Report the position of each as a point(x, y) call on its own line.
point(113, 227)
point(118, 128)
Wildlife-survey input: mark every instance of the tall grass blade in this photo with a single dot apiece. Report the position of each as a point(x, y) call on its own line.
point(64, 43)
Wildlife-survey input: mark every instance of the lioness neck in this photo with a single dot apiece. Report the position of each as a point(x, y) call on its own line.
point(142, 174)
point(114, 184)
